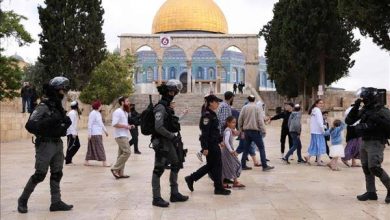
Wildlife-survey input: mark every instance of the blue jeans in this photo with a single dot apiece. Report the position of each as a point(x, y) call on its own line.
point(255, 136)
point(241, 148)
point(296, 146)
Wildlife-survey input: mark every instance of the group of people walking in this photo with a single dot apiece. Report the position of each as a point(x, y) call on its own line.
point(219, 125)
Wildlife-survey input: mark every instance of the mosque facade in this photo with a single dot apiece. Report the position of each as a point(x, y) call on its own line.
point(190, 42)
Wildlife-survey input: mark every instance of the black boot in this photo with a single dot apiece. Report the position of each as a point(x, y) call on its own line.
point(190, 183)
point(367, 196)
point(22, 205)
point(160, 202)
point(178, 198)
point(387, 200)
point(222, 191)
point(60, 206)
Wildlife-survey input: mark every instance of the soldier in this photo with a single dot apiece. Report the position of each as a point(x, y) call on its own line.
point(210, 140)
point(164, 142)
point(48, 123)
point(374, 128)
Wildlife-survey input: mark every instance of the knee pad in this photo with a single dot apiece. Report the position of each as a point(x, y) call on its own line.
point(38, 177)
point(377, 171)
point(158, 171)
point(366, 170)
point(56, 176)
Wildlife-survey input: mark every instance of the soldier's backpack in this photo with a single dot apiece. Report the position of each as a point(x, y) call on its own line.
point(147, 119)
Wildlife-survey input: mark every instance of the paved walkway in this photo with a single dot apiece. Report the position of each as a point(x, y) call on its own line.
point(288, 192)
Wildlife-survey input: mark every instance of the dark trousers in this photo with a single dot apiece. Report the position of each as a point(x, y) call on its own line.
point(73, 147)
point(134, 139)
point(47, 154)
point(283, 136)
point(213, 166)
point(371, 156)
point(296, 146)
point(167, 156)
point(25, 104)
point(255, 136)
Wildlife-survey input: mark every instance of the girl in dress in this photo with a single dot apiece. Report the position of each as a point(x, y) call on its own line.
point(317, 129)
point(336, 149)
point(231, 166)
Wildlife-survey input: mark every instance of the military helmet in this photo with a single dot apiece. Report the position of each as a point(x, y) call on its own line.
point(174, 85)
point(60, 83)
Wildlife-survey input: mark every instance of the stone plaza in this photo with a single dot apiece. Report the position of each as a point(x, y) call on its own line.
point(292, 191)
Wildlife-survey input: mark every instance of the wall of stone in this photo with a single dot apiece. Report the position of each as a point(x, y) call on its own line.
point(12, 121)
point(334, 100)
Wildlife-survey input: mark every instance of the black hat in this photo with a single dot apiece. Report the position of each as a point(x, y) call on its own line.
point(228, 95)
point(212, 98)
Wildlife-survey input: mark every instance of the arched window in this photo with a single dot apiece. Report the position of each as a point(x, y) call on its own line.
point(235, 75)
point(264, 80)
point(149, 74)
point(242, 75)
point(200, 73)
point(211, 73)
point(224, 77)
point(172, 73)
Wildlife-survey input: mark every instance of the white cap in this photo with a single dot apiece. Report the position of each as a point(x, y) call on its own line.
point(74, 103)
point(297, 106)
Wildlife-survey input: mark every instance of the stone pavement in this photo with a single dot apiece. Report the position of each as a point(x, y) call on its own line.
point(288, 192)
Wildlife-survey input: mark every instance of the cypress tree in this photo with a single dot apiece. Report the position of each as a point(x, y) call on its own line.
point(72, 40)
point(308, 44)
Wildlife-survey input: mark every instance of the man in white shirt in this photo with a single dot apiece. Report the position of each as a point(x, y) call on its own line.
point(121, 135)
point(72, 133)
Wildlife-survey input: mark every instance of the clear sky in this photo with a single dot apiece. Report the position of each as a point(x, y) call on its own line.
point(372, 66)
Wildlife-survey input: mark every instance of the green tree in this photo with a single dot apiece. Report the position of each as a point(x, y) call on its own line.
point(35, 75)
point(72, 40)
point(372, 17)
point(308, 44)
point(10, 73)
point(112, 78)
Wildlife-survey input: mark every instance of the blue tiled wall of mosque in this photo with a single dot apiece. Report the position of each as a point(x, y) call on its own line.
point(203, 66)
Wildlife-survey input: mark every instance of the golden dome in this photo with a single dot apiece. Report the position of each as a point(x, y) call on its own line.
point(189, 15)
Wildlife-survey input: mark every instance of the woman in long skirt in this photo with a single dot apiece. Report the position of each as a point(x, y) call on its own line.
point(95, 136)
point(351, 151)
point(317, 145)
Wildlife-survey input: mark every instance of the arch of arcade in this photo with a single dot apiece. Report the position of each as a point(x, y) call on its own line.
point(190, 43)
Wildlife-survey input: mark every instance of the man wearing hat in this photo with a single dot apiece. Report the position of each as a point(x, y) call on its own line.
point(251, 123)
point(72, 133)
point(285, 115)
point(210, 139)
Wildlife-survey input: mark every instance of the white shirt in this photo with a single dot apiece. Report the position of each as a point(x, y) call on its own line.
point(95, 123)
point(316, 121)
point(74, 117)
point(120, 117)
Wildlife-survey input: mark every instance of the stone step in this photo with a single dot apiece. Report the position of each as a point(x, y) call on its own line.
point(193, 102)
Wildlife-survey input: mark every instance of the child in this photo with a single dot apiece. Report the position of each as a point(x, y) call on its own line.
point(231, 166)
point(295, 127)
point(336, 149)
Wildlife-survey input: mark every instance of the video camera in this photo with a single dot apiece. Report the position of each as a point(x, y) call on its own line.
point(377, 96)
